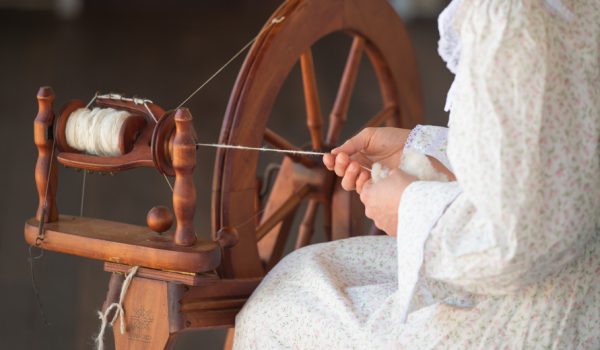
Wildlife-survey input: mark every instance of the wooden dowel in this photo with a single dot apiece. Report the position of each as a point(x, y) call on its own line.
point(381, 117)
point(113, 292)
point(339, 111)
point(213, 304)
point(327, 220)
point(314, 118)
point(184, 190)
point(45, 171)
point(307, 227)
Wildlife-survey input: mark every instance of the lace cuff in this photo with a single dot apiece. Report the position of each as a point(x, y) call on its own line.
point(430, 140)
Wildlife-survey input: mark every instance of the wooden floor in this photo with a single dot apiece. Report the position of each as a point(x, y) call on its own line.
point(149, 50)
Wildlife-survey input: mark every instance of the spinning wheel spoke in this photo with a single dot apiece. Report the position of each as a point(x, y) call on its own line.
point(280, 142)
point(311, 98)
point(347, 213)
point(327, 220)
point(342, 100)
point(307, 228)
point(282, 212)
point(381, 117)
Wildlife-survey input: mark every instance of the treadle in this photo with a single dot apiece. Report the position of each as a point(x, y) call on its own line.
point(123, 243)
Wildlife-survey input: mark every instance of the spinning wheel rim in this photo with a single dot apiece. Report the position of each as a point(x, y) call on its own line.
point(390, 54)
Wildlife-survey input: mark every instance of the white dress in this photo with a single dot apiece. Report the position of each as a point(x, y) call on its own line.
point(507, 257)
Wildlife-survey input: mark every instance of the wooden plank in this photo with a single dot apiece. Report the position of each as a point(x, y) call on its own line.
point(124, 243)
point(187, 278)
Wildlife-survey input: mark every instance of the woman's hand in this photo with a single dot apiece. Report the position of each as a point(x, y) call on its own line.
point(382, 199)
point(383, 145)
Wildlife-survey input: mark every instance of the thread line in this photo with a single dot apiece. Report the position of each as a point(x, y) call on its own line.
point(261, 149)
point(82, 201)
point(274, 21)
point(266, 149)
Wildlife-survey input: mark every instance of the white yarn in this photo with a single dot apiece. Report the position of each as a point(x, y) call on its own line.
point(120, 312)
point(261, 149)
point(413, 163)
point(96, 131)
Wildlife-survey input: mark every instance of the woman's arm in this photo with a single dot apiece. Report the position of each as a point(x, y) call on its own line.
point(523, 145)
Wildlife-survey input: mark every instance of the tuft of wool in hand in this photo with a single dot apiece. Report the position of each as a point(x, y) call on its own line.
point(417, 164)
point(412, 163)
point(379, 172)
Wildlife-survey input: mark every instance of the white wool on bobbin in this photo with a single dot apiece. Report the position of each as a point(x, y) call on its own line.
point(96, 131)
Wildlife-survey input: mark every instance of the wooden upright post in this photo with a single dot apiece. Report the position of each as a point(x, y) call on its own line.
point(184, 191)
point(45, 171)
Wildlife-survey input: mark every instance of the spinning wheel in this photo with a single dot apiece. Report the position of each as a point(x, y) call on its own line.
point(376, 31)
point(186, 283)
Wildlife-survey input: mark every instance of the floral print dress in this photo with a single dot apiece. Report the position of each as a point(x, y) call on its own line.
point(506, 257)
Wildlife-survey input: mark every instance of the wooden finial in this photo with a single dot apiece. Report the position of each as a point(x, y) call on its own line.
point(45, 171)
point(184, 190)
point(159, 219)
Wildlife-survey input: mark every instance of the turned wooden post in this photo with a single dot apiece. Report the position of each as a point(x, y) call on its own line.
point(44, 140)
point(184, 191)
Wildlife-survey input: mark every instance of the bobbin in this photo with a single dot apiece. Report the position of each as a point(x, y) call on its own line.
point(129, 132)
point(145, 138)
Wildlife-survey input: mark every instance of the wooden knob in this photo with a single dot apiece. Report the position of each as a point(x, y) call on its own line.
point(227, 237)
point(159, 219)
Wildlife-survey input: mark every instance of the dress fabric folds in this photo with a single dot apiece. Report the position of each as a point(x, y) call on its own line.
point(507, 256)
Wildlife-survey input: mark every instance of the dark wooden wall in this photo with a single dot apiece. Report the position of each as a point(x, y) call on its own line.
point(160, 50)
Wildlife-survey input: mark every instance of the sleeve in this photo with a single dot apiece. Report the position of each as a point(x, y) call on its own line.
point(421, 206)
point(524, 146)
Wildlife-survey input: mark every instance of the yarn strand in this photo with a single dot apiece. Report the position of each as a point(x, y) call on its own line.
point(261, 149)
point(266, 149)
point(214, 75)
point(119, 313)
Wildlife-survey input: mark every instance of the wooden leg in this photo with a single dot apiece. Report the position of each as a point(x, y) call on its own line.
point(229, 339)
point(152, 315)
point(347, 213)
point(112, 295)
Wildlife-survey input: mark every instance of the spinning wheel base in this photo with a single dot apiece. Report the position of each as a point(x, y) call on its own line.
point(123, 243)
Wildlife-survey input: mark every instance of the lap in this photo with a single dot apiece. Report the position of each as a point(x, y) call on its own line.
point(321, 295)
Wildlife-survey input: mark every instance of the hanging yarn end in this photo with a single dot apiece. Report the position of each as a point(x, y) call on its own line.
point(119, 313)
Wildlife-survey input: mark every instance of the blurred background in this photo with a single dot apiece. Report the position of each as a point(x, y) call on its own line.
point(160, 50)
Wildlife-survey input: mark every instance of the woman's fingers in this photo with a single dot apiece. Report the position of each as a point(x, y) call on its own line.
point(351, 175)
point(329, 161)
point(341, 163)
point(362, 180)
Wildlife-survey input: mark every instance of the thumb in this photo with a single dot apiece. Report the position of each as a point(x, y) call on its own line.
point(356, 143)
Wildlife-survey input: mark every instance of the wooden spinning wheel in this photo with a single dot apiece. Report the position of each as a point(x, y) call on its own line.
point(376, 30)
point(183, 282)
